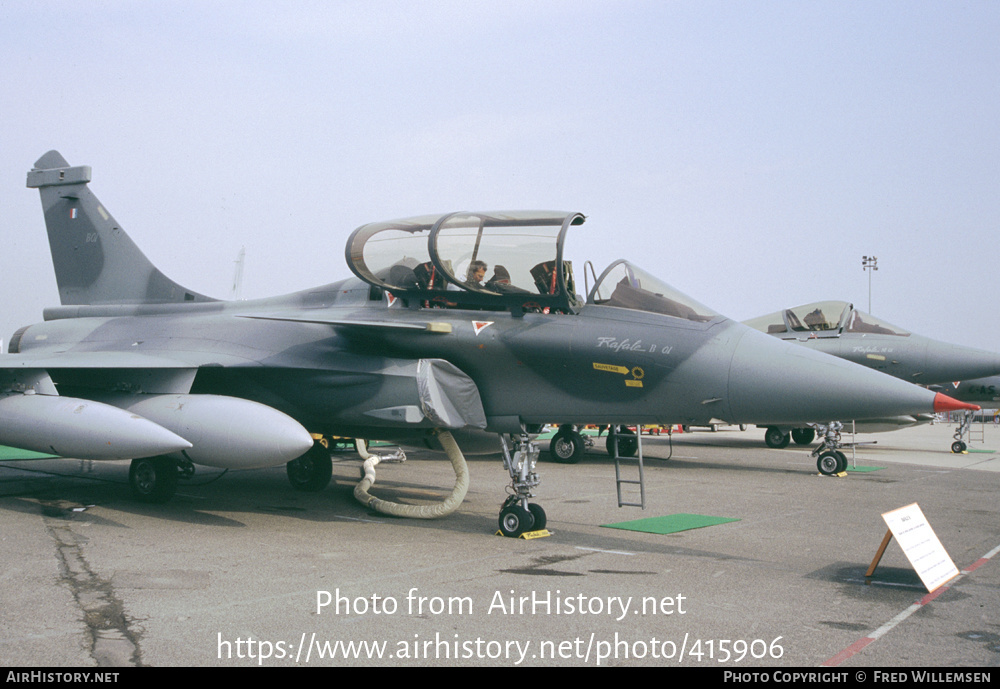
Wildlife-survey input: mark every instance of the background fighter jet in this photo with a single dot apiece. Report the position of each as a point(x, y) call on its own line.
point(421, 344)
point(982, 391)
point(837, 328)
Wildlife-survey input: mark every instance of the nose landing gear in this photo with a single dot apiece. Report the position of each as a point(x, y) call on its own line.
point(518, 516)
point(831, 461)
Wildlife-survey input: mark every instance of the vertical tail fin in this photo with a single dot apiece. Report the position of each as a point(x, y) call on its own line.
point(95, 261)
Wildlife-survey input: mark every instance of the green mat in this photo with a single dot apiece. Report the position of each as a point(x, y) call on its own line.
point(548, 435)
point(861, 470)
point(11, 453)
point(671, 523)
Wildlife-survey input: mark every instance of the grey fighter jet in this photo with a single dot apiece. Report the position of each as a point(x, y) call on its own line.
point(983, 391)
point(837, 328)
point(980, 390)
point(456, 326)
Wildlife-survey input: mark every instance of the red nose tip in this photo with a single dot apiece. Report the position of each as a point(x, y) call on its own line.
point(944, 403)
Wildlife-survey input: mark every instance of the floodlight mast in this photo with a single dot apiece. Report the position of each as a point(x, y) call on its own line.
point(869, 263)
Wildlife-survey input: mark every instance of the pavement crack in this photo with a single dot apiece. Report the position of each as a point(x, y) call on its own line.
point(112, 640)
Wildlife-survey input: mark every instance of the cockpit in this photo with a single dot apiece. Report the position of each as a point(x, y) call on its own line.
point(823, 319)
point(470, 260)
point(508, 260)
point(629, 287)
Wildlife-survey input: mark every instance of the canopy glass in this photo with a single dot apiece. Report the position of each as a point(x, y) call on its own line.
point(508, 259)
point(500, 260)
point(823, 318)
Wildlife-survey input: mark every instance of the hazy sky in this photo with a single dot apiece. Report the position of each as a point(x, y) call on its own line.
point(748, 153)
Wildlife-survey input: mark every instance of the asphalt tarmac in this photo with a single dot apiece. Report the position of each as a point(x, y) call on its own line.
point(240, 570)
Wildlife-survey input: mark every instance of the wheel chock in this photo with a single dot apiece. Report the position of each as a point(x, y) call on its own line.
point(529, 535)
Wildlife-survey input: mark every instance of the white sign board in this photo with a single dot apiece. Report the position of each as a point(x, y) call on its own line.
point(921, 546)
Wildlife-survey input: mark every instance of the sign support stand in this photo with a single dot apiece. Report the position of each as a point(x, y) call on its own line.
point(920, 544)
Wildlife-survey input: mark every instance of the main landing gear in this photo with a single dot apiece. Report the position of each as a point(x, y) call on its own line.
point(154, 480)
point(312, 471)
point(803, 436)
point(568, 444)
point(518, 516)
point(777, 439)
point(628, 445)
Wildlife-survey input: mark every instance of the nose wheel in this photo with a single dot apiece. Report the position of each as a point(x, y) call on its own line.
point(830, 460)
point(831, 463)
point(516, 519)
point(961, 433)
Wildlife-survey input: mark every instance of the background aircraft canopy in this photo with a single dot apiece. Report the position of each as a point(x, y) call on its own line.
point(830, 317)
point(507, 259)
point(629, 287)
point(861, 322)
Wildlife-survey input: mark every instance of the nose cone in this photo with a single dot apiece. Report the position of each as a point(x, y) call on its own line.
point(944, 362)
point(944, 403)
point(774, 382)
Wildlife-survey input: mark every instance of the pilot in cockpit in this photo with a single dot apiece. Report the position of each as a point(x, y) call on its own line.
point(476, 273)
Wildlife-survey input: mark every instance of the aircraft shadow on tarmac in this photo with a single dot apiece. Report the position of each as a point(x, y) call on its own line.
point(59, 494)
point(61, 486)
point(60, 489)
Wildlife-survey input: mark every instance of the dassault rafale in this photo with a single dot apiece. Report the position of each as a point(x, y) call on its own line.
point(982, 390)
point(455, 327)
point(839, 329)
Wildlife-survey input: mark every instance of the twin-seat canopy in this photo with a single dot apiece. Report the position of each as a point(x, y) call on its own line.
point(500, 260)
point(824, 318)
point(508, 259)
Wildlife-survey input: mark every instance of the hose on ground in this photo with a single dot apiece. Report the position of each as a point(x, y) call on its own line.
point(395, 509)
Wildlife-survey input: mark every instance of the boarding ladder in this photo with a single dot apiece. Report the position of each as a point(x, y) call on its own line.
point(977, 431)
point(619, 481)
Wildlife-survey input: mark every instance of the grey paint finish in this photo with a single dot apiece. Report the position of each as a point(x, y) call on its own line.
point(352, 359)
point(859, 337)
point(95, 261)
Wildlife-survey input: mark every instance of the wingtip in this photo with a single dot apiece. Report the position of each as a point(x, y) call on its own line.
point(944, 403)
